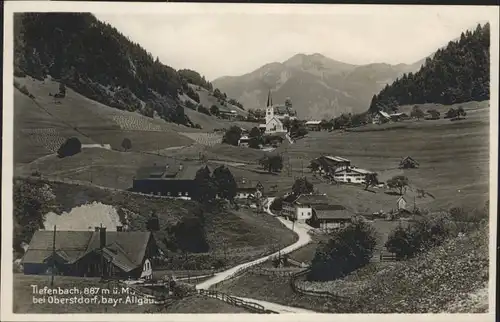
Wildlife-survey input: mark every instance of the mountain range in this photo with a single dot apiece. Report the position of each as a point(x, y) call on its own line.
point(318, 86)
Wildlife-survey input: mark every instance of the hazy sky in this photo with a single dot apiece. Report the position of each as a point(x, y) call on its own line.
point(217, 43)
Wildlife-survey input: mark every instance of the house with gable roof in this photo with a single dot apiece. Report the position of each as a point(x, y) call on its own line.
point(111, 254)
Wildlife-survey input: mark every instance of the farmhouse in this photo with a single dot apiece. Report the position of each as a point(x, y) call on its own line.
point(275, 115)
point(329, 164)
point(172, 180)
point(227, 114)
point(301, 209)
point(113, 254)
point(327, 217)
point(243, 141)
point(396, 117)
point(313, 125)
point(247, 189)
point(351, 175)
point(380, 117)
point(407, 163)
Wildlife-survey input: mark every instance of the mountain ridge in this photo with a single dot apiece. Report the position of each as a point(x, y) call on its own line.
point(322, 86)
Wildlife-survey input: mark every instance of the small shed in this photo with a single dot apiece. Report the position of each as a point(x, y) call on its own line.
point(408, 163)
point(401, 203)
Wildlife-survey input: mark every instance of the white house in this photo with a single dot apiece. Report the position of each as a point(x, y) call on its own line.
point(243, 141)
point(313, 125)
point(351, 175)
point(401, 203)
point(380, 117)
point(301, 208)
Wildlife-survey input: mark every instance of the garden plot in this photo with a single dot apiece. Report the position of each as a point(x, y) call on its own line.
point(50, 138)
point(209, 139)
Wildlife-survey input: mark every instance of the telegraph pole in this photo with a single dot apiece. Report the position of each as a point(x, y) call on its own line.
point(53, 257)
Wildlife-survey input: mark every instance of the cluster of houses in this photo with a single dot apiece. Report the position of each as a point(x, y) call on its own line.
point(338, 169)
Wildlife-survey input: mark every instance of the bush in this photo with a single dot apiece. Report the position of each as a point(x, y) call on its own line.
point(277, 204)
point(347, 250)
point(232, 136)
point(190, 104)
point(418, 237)
point(203, 109)
point(70, 147)
point(126, 144)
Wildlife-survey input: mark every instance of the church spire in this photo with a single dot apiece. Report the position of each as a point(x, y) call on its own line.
point(269, 99)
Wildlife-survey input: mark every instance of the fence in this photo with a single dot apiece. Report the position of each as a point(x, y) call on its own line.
point(251, 306)
point(298, 289)
point(273, 272)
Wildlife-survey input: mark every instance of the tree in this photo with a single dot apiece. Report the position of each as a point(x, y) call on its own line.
point(287, 124)
point(370, 180)
point(272, 163)
point(277, 204)
point(461, 112)
point(254, 142)
point(346, 251)
point(451, 113)
point(31, 201)
point(302, 186)
point(206, 189)
point(435, 115)
point(255, 132)
point(232, 136)
point(153, 223)
point(225, 183)
point(398, 182)
point(417, 113)
point(214, 110)
point(203, 109)
point(62, 90)
point(70, 147)
point(126, 144)
point(399, 242)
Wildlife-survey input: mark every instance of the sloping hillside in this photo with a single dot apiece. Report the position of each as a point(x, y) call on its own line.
point(458, 73)
point(317, 85)
point(41, 124)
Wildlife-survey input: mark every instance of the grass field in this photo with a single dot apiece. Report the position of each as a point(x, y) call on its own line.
point(23, 299)
point(453, 157)
point(41, 124)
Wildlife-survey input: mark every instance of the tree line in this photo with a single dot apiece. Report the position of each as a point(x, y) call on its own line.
point(458, 73)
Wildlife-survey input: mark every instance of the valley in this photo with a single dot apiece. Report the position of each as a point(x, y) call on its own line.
point(356, 198)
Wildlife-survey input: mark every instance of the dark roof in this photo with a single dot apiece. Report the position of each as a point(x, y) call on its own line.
point(125, 249)
point(172, 172)
point(312, 199)
point(329, 207)
point(409, 159)
point(333, 214)
point(247, 184)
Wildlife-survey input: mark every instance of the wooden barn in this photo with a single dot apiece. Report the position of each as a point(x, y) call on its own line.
point(172, 180)
point(328, 217)
point(111, 254)
point(408, 163)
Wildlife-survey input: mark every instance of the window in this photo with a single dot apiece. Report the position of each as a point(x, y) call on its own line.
point(179, 193)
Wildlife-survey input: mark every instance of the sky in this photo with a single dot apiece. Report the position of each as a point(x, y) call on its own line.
point(233, 42)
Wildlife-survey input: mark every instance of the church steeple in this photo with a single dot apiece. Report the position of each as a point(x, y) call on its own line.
point(269, 99)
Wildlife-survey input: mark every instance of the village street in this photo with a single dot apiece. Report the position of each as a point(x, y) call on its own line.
point(304, 238)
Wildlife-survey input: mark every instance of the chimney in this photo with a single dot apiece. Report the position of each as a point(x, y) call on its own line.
point(102, 237)
point(119, 228)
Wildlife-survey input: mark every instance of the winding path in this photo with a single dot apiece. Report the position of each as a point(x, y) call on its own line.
point(304, 239)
